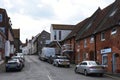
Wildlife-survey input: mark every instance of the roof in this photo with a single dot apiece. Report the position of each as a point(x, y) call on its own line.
point(110, 21)
point(40, 35)
point(76, 29)
point(88, 26)
point(62, 27)
point(100, 21)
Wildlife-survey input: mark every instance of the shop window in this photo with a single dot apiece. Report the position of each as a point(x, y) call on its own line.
point(114, 31)
point(104, 59)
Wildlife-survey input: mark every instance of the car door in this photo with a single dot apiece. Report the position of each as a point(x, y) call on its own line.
point(82, 67)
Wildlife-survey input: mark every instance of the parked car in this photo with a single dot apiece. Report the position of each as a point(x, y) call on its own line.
point(21, 55)
point(13, 64)
point(90, 67)
point(51, 59)
point(61, 61)
point(20, 58)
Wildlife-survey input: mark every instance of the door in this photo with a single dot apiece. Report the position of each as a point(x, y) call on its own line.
point(114, 63)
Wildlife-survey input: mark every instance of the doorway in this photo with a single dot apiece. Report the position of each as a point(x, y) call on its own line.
point(114, 65)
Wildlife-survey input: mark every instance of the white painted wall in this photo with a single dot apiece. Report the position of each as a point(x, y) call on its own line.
point(64, 34)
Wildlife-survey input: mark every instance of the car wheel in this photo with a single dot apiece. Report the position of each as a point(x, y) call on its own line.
point(6, 70)
point(57, 64)
point(101, 74)
point(53, 63)
point(85, 72)
point(68, 66)
point(75, 70)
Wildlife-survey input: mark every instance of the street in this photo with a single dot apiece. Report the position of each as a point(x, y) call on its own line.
point(38, 70)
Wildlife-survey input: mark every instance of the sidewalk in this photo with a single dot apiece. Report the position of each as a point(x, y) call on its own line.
point(2, 66)
point(115, 76)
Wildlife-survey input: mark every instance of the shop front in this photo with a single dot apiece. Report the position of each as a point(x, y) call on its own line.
point(110, 60)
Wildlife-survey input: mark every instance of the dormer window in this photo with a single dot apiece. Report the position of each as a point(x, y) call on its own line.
point(114, 31)
point(1, 17)
point(112, 13)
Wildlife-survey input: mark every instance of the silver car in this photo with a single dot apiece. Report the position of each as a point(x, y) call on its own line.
point(61, 61)
point(90, 67)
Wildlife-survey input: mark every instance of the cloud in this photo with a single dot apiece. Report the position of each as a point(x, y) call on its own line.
point(33, 16)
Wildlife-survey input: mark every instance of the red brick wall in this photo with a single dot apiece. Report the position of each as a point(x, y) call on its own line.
point(82, 50)
point(111, 41)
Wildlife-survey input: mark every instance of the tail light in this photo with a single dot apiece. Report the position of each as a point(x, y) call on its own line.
point(93, 67)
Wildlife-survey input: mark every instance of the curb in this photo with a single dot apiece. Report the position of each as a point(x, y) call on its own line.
point(113, 77)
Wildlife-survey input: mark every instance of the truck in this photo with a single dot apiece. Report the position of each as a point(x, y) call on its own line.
point(46, 53)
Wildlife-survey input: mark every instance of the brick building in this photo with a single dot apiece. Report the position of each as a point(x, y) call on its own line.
point(98, 38)
point(6, 29)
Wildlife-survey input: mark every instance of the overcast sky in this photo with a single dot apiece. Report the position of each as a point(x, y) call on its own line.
point(34, 16)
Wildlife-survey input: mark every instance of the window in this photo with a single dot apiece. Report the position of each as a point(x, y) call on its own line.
point(55, 35)
point(84, 63)
point(59, 35)
point(112, 13)
point(114, 31)
point(104, 59)
point(89, 25)
point(0, 17)
point(85, 43)
point(92, 39)
point(102, 36)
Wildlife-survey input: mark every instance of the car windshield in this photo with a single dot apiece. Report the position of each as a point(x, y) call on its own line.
point(93, 63)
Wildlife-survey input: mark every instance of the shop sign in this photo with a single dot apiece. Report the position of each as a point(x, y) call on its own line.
point(108, 50)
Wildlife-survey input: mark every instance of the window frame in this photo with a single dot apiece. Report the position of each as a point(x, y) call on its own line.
point(102, 36)
point(113, 31)
point(92, 39)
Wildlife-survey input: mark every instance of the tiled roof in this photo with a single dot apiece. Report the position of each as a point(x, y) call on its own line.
point(85, 31)
point(110, 21)
point(62, 27)
point(101, 20)
point(76, 29)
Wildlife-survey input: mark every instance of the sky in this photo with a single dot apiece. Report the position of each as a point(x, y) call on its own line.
point(34, 16)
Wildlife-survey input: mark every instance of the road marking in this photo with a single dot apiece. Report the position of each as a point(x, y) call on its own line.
point(49, 77)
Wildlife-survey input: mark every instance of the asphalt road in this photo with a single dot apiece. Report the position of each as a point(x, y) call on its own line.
point(38, 70)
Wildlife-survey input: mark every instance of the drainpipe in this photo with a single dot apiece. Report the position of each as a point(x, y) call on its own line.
point(95, 50)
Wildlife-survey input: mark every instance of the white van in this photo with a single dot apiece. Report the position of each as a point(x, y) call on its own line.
point(46, 53)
